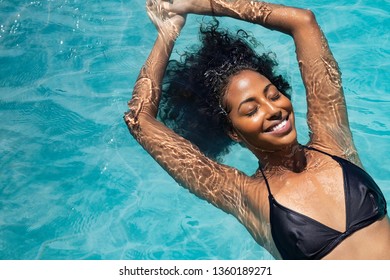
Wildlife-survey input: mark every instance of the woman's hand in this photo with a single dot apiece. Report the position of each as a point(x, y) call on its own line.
point(184, 7)
point(167, 22)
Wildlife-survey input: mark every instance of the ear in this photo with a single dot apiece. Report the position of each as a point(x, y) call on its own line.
point(234, 135)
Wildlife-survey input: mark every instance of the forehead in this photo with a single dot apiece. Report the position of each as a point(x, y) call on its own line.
point(244, 84)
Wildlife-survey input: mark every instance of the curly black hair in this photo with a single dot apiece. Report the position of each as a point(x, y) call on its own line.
point(193, 87)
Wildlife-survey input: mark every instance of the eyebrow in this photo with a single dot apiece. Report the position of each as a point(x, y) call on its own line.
point(250, 99)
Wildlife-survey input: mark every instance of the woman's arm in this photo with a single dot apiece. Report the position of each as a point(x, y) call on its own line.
point(327, 114)
point(218, 184)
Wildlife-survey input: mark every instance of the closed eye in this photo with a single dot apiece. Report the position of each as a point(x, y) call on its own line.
point(272, 92)
point(252, 112)
point(275, 96)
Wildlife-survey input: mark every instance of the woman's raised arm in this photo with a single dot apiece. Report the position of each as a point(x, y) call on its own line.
point(219, 184)
point(327, 114)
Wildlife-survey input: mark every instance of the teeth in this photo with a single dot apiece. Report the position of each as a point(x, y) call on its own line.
point(279, 126)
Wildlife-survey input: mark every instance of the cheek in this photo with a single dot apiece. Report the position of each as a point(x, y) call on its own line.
point(286, 104)
point(250, 125)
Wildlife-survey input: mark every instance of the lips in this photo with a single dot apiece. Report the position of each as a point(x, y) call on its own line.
point(281, 127)
point(278, 127)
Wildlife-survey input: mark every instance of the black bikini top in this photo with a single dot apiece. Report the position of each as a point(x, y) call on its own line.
point(297, 236)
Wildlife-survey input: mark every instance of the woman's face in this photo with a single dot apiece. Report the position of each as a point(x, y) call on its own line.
point(261, 116)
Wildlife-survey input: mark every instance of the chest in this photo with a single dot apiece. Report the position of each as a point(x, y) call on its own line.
point(318, 193)
point(311, 212)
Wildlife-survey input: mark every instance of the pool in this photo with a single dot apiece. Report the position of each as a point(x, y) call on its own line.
point(75, 185)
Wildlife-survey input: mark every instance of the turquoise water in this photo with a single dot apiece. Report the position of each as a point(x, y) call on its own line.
point(73, 182)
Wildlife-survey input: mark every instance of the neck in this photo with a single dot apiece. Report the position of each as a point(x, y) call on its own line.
point(290, 158)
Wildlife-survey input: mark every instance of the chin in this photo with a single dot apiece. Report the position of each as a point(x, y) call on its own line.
point(280, 143)
point(290, 139)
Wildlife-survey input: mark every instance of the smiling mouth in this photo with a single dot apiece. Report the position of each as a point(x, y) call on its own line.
point(281, 127)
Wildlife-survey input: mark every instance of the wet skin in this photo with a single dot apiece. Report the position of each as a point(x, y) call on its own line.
point(305, 181)
point(262, 117)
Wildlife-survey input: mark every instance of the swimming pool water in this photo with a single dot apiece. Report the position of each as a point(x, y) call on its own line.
point(73, 182)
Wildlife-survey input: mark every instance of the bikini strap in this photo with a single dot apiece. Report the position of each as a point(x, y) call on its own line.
point(317, 150)
point(309, 148)
point(266, 181)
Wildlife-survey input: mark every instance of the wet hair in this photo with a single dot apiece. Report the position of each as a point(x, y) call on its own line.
point(194, 87)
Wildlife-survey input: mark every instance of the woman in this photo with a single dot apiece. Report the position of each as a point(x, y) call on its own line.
point(304, 202)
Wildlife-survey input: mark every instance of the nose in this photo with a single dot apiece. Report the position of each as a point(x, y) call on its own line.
point(273, 112)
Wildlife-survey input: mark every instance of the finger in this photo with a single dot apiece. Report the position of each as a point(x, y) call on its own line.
point(166, 5)
point(150, 5)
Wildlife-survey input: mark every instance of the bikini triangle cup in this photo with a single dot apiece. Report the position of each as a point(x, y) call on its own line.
point(298, 236)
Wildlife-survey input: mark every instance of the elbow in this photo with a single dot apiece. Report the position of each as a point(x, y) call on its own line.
point(305, 21)
point(137, 116)
point(132, 116)
point(131, 121)
point(142, 106)
point(307, 18)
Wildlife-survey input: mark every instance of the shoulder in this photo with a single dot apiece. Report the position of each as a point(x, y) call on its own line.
point(347, 152)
